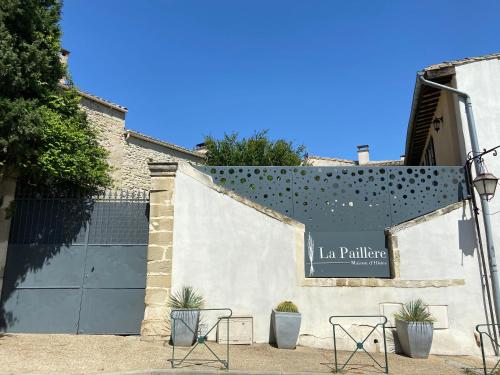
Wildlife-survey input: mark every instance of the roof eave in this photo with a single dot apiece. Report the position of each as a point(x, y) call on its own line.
point(443, 76)
point(146, 138)
point(103, 102)
point(414, 103)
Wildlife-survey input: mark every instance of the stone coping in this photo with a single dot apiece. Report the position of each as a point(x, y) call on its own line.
point(206, 180)
point(427, 217)
point(374, 282)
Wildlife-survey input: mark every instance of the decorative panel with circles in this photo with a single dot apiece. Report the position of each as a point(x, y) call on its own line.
point(340, 199)
point(346, 198)
point(415, 191)
point(269, 186)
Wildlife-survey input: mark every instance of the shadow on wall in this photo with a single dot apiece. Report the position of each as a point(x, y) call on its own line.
point(41, 226)
point(467, 239)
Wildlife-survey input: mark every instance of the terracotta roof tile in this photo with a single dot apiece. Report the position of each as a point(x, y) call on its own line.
point(466, 60)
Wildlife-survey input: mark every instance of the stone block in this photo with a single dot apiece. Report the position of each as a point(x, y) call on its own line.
point(341, 282)
point(162, 266)
point(161, 238)
point(158, 281)
point(162, 197)
point(157, 296)
point(156, 252)
point(162, 183)
point(158, 210)
point(161, 223)
point(157, 312)
point(155, 327)
point(354, 282)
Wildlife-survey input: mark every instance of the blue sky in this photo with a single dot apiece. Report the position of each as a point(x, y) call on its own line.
point(327, 74)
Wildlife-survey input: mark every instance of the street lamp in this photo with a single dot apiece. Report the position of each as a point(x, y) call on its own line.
point(485, 184)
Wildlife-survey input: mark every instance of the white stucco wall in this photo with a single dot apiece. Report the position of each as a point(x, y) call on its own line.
point(445, 247)
point(481, 80)
point(241, 258)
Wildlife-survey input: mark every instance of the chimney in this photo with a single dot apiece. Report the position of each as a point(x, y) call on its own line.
point(201, 148)
point(363, 154)
point(63, 57)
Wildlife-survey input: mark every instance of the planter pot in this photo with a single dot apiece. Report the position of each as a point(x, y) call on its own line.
point(286, 327)
point(415, 338)
point(184, 327)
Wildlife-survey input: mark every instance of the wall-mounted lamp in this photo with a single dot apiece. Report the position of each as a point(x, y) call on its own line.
point(437, 123)
point(485, 184)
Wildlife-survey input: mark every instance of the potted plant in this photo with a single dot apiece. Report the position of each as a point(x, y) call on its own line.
point(186, 317)
point(285, 320)
point(415, 326)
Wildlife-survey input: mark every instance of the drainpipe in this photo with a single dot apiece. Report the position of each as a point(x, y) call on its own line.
point(485, 207)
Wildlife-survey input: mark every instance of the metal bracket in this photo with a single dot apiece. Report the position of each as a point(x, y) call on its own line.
point(359, 344)
point(201, 339)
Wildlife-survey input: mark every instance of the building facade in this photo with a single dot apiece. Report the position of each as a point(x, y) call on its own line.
point(130, 151)
point(434, 256)
point(250, 237)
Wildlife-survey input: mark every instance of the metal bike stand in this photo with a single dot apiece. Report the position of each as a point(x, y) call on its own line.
point(359, 344)
point(484, 330)
point(200, 339)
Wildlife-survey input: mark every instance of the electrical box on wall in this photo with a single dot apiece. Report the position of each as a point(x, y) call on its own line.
point(240, 330)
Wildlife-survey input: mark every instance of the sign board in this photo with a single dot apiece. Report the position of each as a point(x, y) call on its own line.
point(346, 254)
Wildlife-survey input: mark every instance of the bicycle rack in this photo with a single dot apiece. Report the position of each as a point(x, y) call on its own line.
point(359, 344)
point(493, 341)
point(200, 339)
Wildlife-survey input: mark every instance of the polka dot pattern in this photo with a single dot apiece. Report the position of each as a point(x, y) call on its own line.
point(346, 198)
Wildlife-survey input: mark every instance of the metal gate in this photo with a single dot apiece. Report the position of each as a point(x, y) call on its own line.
point(76, 264)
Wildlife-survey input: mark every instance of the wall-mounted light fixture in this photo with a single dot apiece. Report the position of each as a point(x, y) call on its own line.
point(485, 184)
point(437, 123)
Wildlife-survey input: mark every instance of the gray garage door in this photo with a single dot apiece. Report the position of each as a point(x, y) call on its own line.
point(76, 265)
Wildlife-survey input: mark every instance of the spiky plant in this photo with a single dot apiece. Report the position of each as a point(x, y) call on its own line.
point(287, 306)
point(186, 298)
point(415, 311)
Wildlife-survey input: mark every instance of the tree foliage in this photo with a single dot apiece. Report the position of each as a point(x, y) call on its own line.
point(44, 135)
point(256, 150)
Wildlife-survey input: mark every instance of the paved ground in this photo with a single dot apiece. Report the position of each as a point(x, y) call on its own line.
point(51, 354)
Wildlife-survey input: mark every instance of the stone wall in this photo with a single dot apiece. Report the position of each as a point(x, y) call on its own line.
point(136, 156)
point(110, 125)
point(128, 156)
